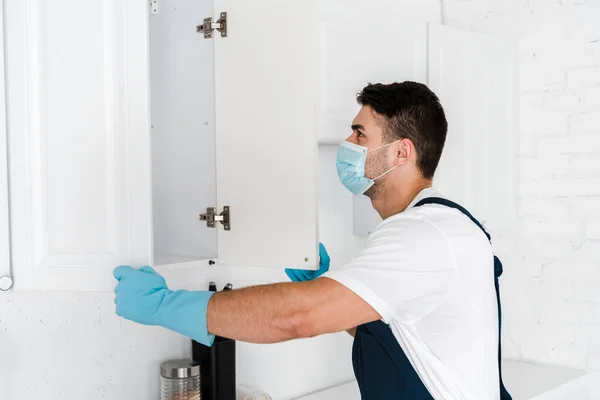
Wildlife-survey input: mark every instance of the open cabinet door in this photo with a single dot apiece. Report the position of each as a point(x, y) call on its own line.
point(266, 145)
point(475, 77)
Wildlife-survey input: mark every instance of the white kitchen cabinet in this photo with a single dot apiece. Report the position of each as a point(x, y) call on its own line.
point(475, 77)
point(125, 124)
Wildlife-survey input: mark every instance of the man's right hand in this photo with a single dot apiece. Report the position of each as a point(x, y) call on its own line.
point(300, 275)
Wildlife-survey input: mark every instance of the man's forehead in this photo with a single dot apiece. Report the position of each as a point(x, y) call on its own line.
point(366, 117)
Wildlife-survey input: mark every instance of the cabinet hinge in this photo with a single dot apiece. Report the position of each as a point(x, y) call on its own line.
point(212, 218)
point(208, 26)
point(153, 7)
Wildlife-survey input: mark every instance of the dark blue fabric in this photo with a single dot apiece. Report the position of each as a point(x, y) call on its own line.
point(380, 365)
point(382, 370)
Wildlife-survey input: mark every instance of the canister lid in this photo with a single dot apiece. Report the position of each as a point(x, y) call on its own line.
point(179, 369)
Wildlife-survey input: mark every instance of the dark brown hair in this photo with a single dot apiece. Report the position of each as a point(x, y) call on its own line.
point(410, 111)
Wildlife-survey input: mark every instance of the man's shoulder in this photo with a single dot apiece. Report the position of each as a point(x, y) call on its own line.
point(412, 226)
point(421, 218)
point(408, 243)
point(451, 222)
point(430, 223)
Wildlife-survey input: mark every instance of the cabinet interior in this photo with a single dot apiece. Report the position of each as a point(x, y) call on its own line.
point(182, 134)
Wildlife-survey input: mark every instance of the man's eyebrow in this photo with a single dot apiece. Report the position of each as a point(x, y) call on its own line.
point(357, 127)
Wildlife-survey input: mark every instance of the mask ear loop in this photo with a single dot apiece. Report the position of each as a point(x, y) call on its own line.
point(385, 173)
point(385, 145)
point(389, 170)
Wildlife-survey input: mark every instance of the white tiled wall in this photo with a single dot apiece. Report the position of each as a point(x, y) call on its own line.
point(551, 289)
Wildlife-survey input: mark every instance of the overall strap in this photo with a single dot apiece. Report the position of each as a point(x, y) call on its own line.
point(451, 204)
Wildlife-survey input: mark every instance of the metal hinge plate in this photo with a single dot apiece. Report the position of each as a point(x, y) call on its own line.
point(212, 218)
point(154, 7)
point(208, 26)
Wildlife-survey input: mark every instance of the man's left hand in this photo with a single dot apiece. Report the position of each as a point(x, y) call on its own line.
point(142, 296)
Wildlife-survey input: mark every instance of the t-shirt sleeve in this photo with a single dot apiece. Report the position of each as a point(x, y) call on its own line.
point(405, 270)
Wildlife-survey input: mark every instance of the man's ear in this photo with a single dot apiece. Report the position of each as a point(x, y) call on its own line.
point(403, 151)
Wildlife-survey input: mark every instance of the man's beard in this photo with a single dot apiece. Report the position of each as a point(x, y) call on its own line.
point(376, 167)
point(374, 192)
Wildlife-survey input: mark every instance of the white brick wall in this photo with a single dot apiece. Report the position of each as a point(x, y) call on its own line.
point(551, 287)
point(592, 229)
point(583, 76)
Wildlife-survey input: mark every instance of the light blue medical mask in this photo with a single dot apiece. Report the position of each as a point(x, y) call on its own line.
point(351, 160)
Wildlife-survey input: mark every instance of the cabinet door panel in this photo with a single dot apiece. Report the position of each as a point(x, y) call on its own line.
point(78, 134)
point(266, 143)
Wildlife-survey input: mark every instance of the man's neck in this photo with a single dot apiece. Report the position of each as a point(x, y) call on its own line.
point(396, 200)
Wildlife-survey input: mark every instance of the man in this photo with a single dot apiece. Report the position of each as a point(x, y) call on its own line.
point(420, 298)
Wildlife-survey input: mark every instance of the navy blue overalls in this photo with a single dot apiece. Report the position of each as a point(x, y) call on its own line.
point(382, 369)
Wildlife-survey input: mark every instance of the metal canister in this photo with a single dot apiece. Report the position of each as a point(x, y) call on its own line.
point(180, 380)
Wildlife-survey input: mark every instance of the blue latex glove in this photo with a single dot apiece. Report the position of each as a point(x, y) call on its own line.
point(143, 296)
point(300, 275)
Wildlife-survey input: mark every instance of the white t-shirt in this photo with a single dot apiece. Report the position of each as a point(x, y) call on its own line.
point(429, 272)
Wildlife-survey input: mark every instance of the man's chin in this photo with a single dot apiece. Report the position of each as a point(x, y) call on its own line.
point(373, 192)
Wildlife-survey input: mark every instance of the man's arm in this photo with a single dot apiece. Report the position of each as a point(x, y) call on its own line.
point(284, 311)
point(351, 332)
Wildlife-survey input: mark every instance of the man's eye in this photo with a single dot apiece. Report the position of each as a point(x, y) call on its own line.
point(359, 134)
